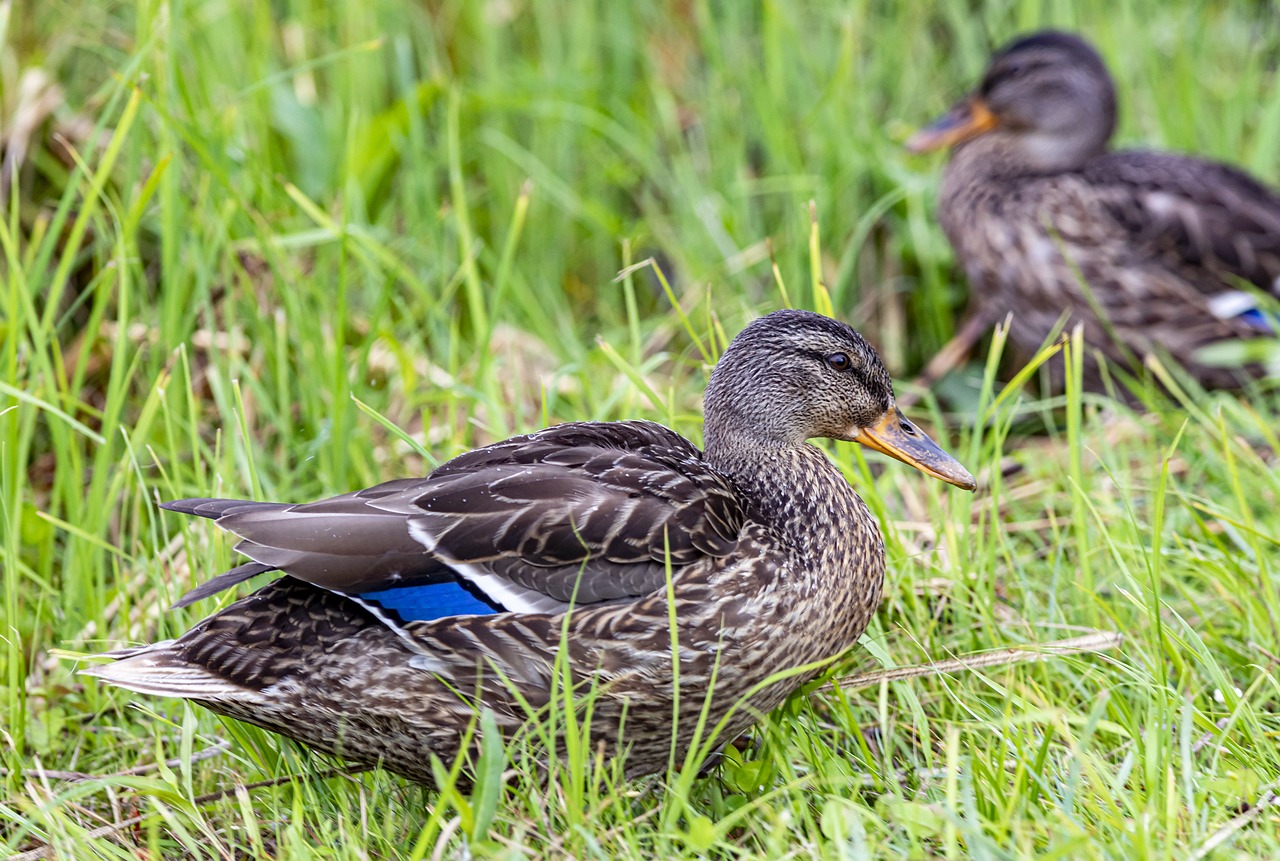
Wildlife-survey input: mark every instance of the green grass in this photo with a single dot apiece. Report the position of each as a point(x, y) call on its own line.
point(292, 249)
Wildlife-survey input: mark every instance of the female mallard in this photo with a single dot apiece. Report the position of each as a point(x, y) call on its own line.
point(1147, 250)
point(409, 606)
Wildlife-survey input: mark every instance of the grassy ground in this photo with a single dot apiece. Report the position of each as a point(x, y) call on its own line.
point(289, 250)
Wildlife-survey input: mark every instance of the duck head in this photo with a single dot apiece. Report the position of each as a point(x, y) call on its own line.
point(1046, 101)
point(791, 376)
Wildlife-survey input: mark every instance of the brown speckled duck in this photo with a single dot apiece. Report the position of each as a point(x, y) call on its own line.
point(1152, 252)
point(407, 608)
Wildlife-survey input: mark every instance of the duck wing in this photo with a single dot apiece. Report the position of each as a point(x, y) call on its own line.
point(1213, 224)
point(582, 512)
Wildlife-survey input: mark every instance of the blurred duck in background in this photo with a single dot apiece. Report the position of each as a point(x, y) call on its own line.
point(1153, 253)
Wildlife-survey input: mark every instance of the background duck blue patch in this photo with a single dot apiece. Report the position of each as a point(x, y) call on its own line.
point(1260, 319)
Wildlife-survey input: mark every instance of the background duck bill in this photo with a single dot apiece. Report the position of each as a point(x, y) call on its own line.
point(966, 120)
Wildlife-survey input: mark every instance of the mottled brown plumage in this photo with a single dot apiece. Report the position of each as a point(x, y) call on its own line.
point(775, 565)
point(1149, 251)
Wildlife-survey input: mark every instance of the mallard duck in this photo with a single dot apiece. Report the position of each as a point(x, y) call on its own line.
point(406, 608)
point(1149, 251)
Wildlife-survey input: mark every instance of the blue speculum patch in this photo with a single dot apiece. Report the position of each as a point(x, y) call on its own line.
point(1260, 319)
point(431, 601)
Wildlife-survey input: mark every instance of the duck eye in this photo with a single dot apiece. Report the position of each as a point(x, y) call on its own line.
point(840, 361)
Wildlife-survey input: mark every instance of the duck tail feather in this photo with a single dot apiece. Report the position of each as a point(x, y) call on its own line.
point(159, 671)
point(223, 581)
point(215, 508)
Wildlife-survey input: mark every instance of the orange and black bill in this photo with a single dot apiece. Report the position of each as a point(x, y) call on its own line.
point(966, 120)
point(895, 436)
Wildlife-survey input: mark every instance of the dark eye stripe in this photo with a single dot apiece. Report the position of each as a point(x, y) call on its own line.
point(1011, 71)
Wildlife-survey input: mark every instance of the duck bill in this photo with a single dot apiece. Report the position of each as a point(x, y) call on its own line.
point(895, 436)
point(966, 120)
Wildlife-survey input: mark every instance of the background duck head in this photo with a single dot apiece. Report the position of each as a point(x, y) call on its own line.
point(1046, 103)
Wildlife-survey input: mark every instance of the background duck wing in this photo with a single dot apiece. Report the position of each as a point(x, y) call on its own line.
point(1214, 224)
point(583, 512)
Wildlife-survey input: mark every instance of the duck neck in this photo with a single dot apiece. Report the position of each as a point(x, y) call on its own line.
point(804, 499)
point(1004, 156)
